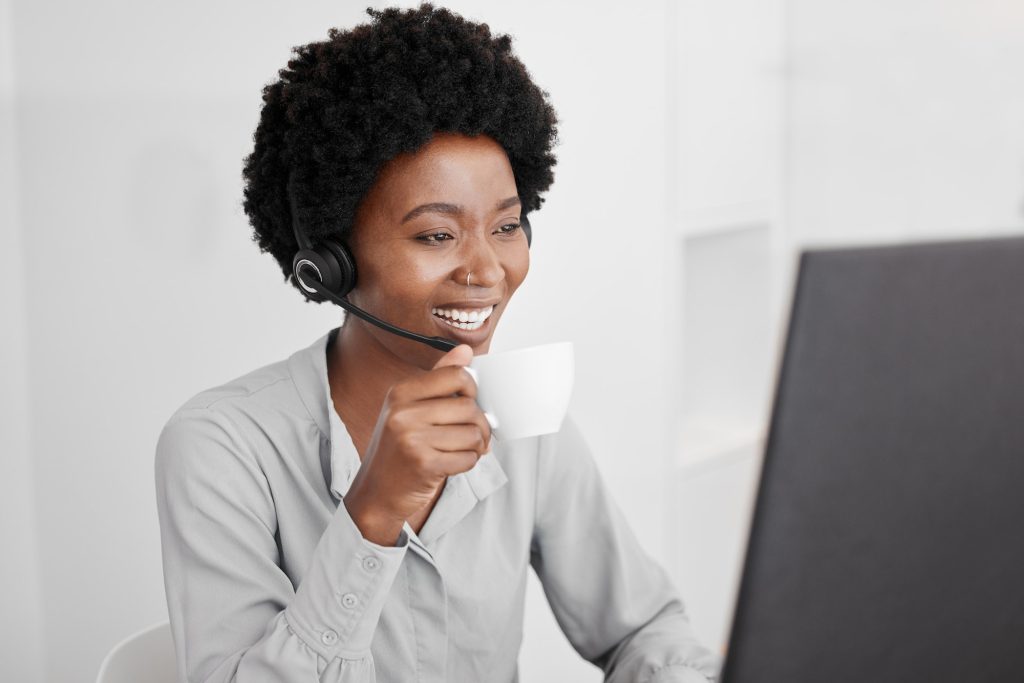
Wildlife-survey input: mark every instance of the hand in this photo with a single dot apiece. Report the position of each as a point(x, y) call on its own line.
point(429, 428)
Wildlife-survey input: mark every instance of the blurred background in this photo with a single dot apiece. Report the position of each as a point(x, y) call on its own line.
point(703, 144)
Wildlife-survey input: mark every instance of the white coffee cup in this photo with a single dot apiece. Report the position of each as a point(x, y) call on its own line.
point(525, 392)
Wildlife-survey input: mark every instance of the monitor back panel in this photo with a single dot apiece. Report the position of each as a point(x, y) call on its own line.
point(888, 536)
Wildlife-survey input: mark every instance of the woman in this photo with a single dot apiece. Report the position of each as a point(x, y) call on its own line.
point(343, 515)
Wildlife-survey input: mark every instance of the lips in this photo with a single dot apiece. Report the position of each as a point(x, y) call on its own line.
point(468, 304)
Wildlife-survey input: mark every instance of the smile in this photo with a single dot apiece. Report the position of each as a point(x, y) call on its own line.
point(464, 320)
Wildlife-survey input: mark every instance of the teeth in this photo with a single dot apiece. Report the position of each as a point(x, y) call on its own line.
point(469, 317)
point(464, 326)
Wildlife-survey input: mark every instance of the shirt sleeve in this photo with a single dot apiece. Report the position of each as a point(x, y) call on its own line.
point(235, 614)
point(616, 605)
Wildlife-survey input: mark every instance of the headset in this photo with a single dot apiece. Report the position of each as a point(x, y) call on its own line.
point(333, 272)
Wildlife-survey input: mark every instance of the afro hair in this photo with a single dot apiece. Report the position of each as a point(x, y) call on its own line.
point(345, 106)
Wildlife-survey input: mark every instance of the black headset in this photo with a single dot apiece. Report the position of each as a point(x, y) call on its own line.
point(333, 272)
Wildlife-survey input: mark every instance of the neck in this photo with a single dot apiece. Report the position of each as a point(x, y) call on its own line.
point(361, 370)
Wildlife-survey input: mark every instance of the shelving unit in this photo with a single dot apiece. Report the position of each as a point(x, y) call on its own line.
point(731, 272)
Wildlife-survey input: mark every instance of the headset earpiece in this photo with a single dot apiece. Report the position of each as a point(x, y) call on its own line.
point(346, 268)
point(330, 263)
point(525, 222)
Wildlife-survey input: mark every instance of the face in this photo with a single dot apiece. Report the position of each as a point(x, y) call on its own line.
point(431, 219)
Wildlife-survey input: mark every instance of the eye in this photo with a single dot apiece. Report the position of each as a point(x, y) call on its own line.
point(434, 238)
point(509, 228)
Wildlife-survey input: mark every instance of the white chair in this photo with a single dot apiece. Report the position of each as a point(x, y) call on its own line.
point(143, 657)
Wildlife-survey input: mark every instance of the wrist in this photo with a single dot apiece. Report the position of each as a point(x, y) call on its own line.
point(374, 525)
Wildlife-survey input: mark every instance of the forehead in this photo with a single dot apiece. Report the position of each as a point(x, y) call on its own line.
point(472, 171)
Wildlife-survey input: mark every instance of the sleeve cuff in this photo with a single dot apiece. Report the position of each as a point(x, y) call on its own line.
point(679, 673)
point(338, 604)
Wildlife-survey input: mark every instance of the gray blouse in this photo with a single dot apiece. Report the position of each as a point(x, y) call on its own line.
point(269, 579)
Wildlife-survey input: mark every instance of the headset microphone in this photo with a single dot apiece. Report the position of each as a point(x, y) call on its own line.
point(333, 272)
point(439, 343)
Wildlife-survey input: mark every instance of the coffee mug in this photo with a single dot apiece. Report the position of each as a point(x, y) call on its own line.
point(524, 392)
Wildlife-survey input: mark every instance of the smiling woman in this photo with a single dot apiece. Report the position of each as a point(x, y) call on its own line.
point(414, 260)
point(342, 515)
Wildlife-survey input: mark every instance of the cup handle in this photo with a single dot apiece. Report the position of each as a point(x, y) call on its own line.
point(491, 418)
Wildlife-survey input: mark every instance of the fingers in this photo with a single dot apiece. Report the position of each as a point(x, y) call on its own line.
point(437, 383)
point(458, 447)
point(456, 462)
point(438, 411)
point(451, 410)
point(447, 377)
point(459, 438)
point(456, 410)
point(460, 355)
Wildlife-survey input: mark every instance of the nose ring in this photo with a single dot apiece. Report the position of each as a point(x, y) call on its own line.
point(469, 275)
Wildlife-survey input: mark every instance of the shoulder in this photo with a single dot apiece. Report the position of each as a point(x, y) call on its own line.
point(571, 490)
point(263, 386)
point(565, 452)
point(567, 441)
point(547, 460)
point(266, 394)
point(235, 419)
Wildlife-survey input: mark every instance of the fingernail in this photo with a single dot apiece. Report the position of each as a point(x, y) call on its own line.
point(472, 373)
point(491, 420)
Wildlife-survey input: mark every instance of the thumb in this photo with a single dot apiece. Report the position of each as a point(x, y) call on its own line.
point(460, 355)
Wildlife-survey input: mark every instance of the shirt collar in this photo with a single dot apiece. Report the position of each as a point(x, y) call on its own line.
point(308, 368)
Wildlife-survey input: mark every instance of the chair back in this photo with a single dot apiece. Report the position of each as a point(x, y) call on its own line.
point(143, 657)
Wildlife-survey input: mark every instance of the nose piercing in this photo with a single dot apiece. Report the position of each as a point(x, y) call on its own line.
point(469, 275)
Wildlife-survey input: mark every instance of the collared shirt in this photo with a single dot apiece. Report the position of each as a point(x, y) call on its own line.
point(269, 579)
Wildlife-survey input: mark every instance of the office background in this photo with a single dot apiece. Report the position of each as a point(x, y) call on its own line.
point(703, 142)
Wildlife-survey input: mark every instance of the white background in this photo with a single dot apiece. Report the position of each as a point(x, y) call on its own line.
point(703, 143)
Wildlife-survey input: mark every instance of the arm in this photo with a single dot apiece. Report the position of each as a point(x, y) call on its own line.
point(234, 613)
point(615, 604)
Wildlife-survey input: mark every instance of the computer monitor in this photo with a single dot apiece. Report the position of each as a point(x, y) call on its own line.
point(887, 542)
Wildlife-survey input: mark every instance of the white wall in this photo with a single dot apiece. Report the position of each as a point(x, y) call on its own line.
point(21, 627)
point(141, 286)
point(906, 119)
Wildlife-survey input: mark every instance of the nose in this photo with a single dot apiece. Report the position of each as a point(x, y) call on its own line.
point(478, 257)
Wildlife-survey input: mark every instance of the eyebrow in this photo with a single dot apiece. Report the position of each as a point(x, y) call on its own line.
point(453, 209)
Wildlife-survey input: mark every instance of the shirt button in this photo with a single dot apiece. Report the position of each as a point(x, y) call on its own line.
point(329, 637)
point(371, 564)
point(349, 600)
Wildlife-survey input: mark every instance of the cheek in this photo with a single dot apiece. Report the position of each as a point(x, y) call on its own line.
point(398, 282)
point(392, 279)
point(517, 268)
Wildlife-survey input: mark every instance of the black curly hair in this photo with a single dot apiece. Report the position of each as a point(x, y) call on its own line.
point(345, 106)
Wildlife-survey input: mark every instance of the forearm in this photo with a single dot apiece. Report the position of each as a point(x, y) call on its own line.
point(281, 655)
point(615, 603)
point(664, 650)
